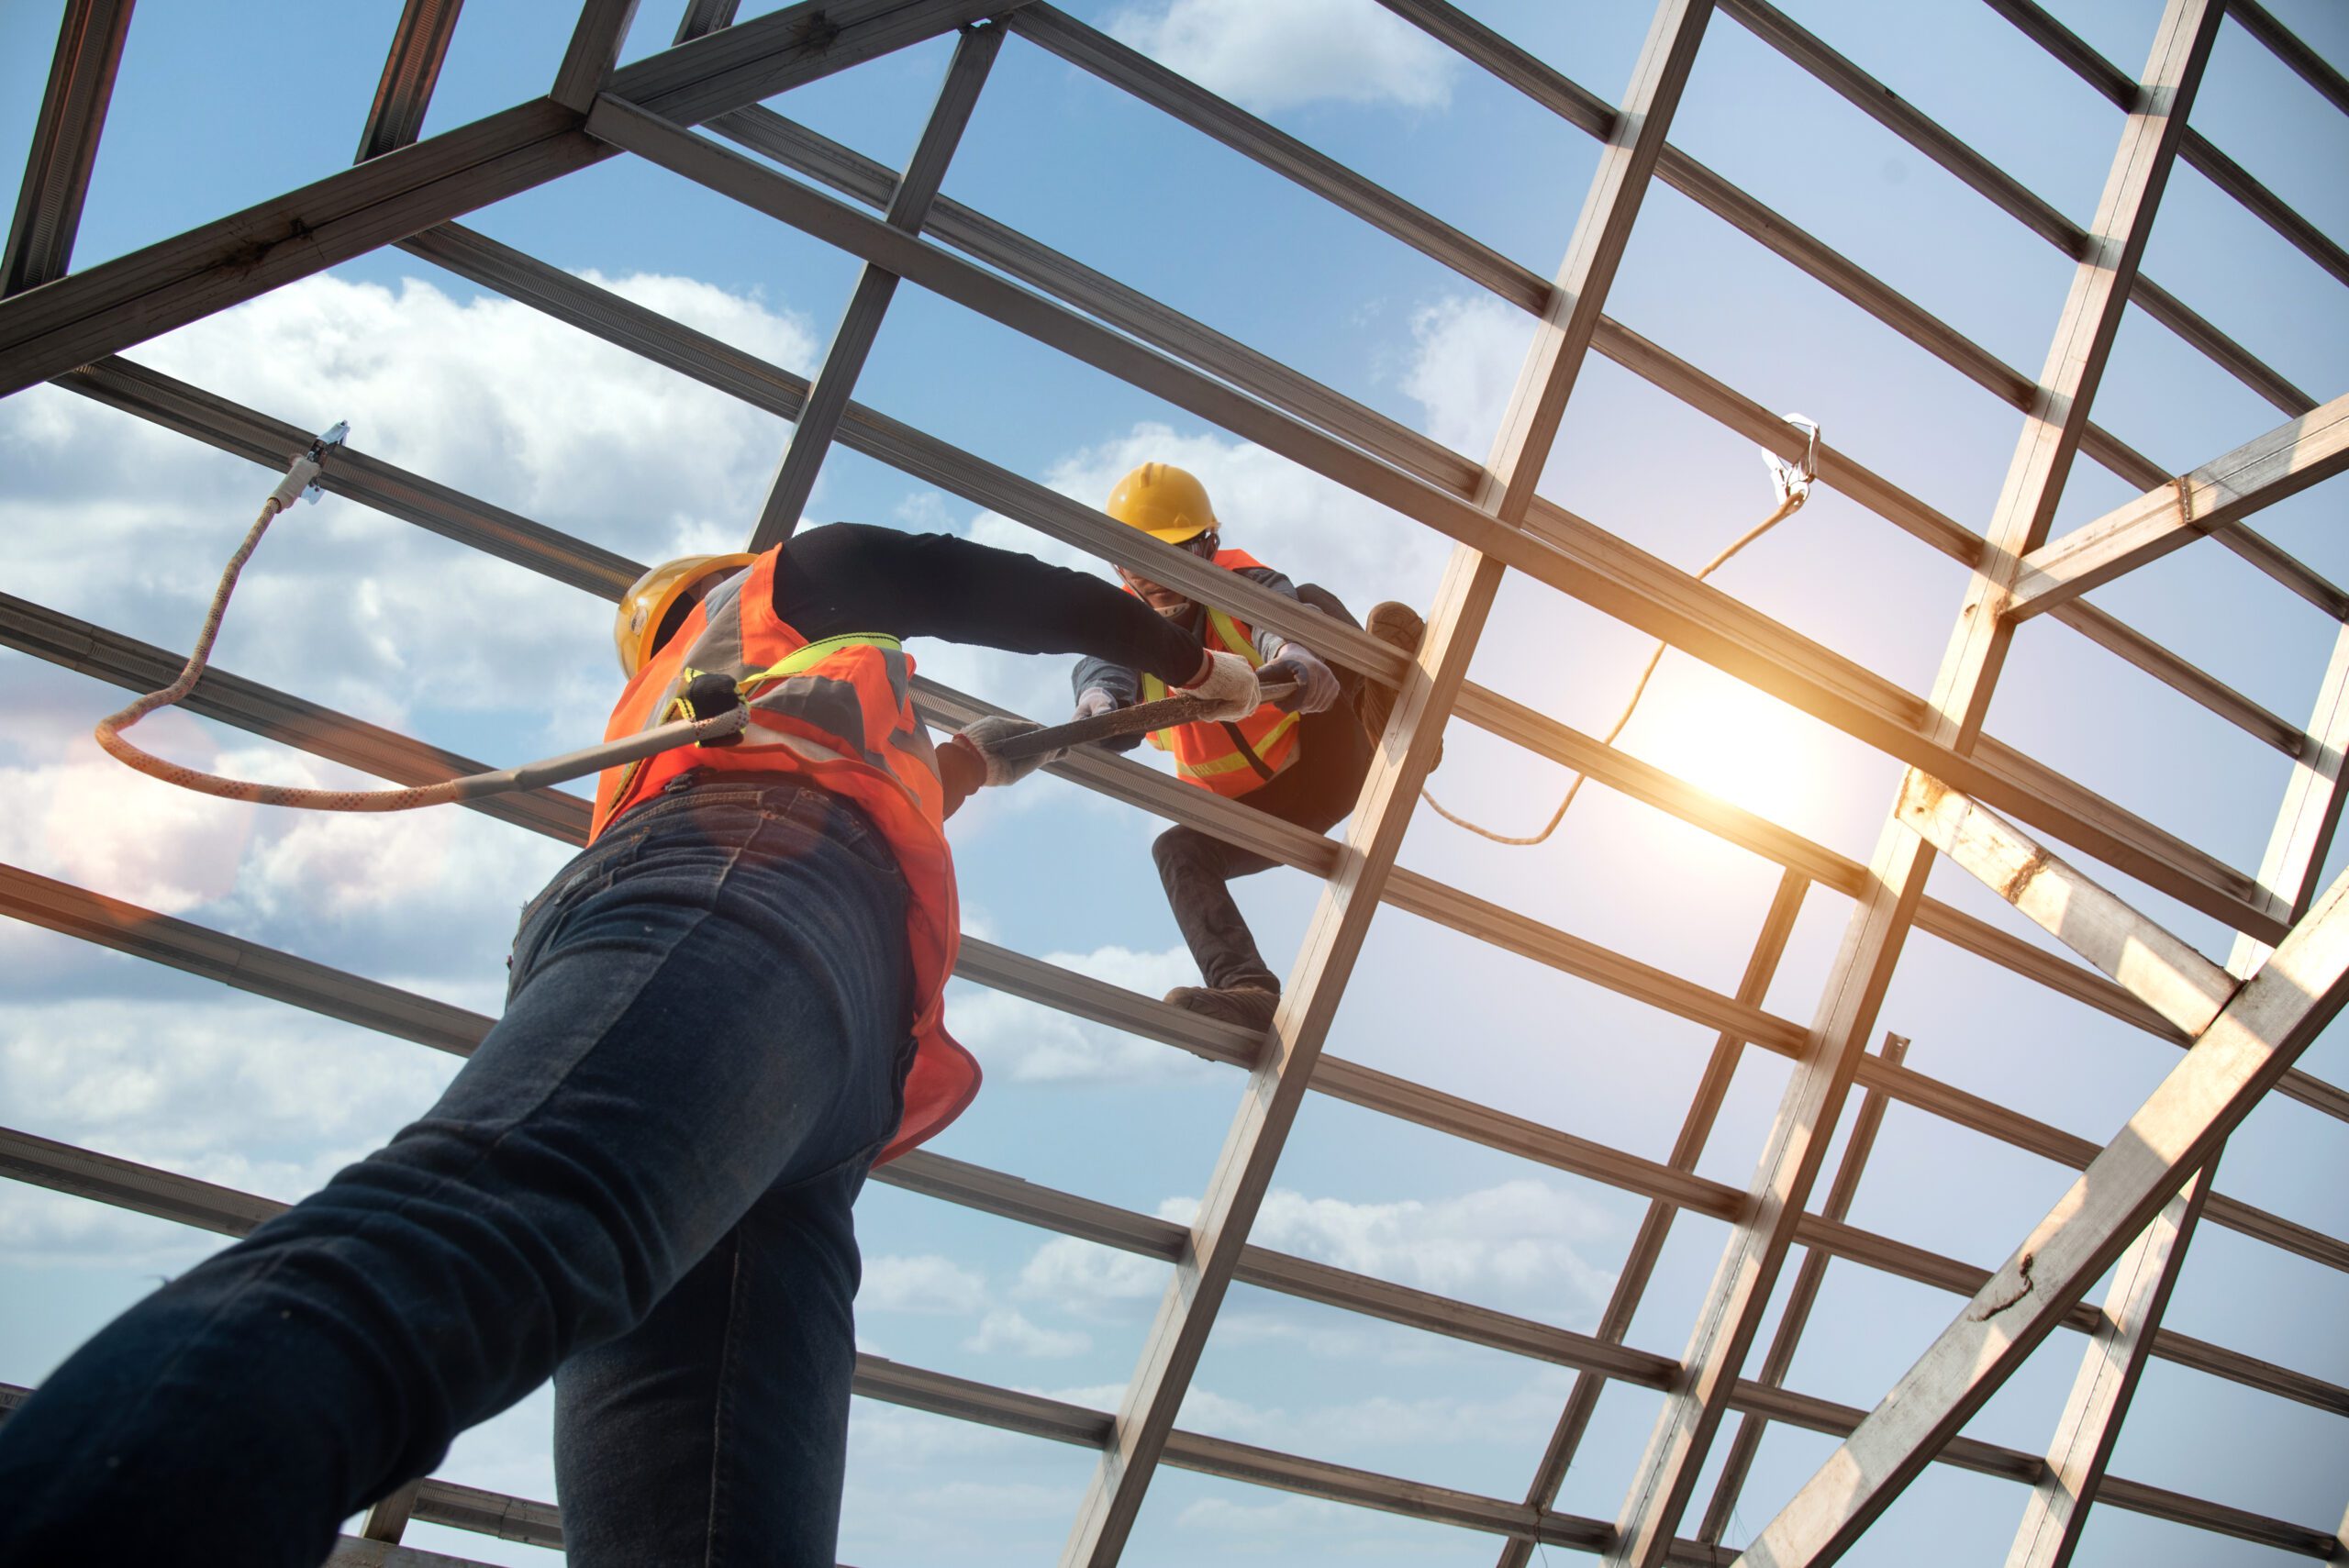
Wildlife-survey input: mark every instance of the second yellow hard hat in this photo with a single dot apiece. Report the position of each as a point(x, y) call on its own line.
point(1163, 502)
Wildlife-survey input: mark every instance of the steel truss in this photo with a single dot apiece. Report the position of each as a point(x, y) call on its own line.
point(2241, 1025)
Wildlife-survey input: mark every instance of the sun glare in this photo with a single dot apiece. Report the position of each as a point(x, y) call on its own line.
point(1730, 739)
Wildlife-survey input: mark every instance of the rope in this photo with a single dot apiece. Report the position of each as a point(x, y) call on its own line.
point(530, 775)
point(1790, 502)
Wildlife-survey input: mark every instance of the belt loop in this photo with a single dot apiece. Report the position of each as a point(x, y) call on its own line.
point(681, 781)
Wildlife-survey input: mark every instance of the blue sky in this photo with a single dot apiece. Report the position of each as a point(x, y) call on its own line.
point(125, 525)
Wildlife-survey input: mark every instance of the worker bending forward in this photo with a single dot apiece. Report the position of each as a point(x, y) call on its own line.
point(722, 1013)
point(1300, 759)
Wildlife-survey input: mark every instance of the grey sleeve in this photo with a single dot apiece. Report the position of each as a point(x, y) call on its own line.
point(1268, 643)
point(1115, 679)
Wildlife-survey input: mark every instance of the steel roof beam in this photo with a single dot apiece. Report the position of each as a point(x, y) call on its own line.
point(165, 286)
point(411, 69)
point(226, 1211)
point(1556, 547)
point(1797, 1145)
point(89, 36)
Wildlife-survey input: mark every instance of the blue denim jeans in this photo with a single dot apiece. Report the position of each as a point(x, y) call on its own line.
point(640, 1185)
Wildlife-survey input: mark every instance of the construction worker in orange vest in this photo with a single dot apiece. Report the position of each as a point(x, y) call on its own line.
point(721, 1014)
point(1300, 759)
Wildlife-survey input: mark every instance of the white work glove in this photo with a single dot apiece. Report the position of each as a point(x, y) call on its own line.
point(1317, 684)
point(1229, 688)
point(990, 732)
point(1096, 702)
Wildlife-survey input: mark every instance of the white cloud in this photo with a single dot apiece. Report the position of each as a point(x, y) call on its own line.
point(1288, 1516)
point(198, 1087)
point(45, 1229)
point(1467, 353)
point(924, 1284)
point(1007, 1329)
point(1086, 1279)
point(87, 819)
point(1270, 56)
point(366, 614)
point(1521, 1238)
point(1024, 1041)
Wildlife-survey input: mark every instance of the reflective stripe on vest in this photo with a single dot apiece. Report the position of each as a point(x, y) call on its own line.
point(1236, 756)
point(837, 715)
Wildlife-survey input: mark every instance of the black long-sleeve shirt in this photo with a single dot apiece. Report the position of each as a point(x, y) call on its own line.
point(851, 577)
point(1117, 676)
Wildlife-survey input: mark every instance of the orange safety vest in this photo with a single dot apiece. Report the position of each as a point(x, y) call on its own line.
point(838, 713)
point(1235, 756)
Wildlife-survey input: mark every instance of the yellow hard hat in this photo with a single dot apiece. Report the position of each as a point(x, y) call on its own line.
point(646, 605)
point(1163, 502)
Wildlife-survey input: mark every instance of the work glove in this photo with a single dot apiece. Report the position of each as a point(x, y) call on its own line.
point(1096, 702)
point(1228, 688)
point(970, 762)
point(1317, 684)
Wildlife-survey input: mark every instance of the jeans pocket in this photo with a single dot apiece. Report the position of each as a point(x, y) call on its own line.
point(841, 823)
point(589, 873)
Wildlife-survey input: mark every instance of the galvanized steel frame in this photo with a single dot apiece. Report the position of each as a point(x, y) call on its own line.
point(65, 326)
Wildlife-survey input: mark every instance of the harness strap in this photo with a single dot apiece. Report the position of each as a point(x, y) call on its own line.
point(808, 657)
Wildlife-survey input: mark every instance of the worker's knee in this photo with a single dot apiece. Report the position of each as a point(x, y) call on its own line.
point(1179, 849)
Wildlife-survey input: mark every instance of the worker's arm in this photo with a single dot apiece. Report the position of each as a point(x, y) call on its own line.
point(847, 577)
point(1268, 643)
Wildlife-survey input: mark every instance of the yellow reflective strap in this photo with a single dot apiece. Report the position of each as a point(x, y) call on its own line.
point(807, 658)
point(1235, 637)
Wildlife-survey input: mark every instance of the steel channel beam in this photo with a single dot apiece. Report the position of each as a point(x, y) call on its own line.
point(1798, 1142)
point(198, 414)
point(594, 49)
point(1655, 1226)
point(80, 646)
point(202, 1204)
point(1128, 68)
point(300, 983)
point(89, 36)
point(863, 178)
point(2310, 814)
point(860, 324)
point(2285, 46)
point(1775, 232)
point(1595, 550)
point(267, 442)
point(111, 306)
point(2079, 56)
point(1556, 548)
point(2178, 1129)
point(1795, 1316)
point(411, 69)
point(1896, 114)
point(2058, 1509)
point(1276, 1087)
point(228, 1212)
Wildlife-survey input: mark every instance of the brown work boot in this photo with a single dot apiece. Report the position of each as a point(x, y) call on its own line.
point(1400, 626)
point(1250, 1006)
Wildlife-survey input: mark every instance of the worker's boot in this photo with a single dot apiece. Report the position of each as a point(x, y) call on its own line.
point(1400, 626)
point(1250, 1006)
